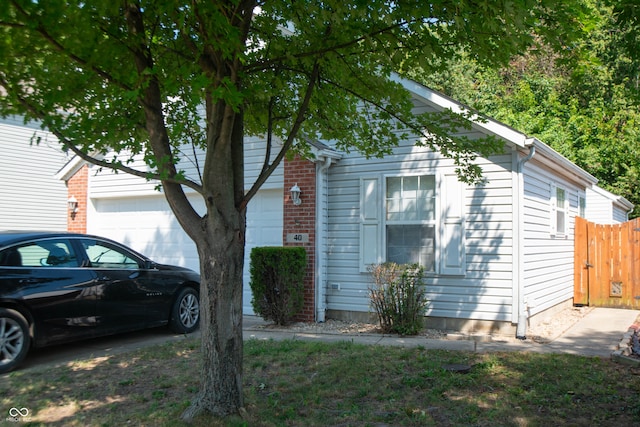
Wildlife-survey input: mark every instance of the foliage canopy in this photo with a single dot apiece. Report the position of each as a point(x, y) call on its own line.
point(83, 68)
point(588, 109)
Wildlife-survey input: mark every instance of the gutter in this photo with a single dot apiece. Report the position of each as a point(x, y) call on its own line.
point(562, 165)
point(325, 156)
point(521, 306)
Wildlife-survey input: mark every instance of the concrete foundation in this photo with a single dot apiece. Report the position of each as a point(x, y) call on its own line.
point(465, 326)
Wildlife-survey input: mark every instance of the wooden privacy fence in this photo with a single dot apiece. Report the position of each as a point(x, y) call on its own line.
point(607, 264)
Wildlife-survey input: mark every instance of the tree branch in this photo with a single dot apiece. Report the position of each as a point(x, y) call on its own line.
point(67, 143)
point(259, 66)
point(59, 47)
point(122, 168)
point(300, 117)
point(267, 153)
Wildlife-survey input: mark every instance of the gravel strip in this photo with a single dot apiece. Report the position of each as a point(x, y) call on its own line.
point(544, 332)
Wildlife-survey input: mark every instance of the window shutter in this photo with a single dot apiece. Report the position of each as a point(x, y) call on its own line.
point(553, 214)
point(370, 211)
point(453, 261)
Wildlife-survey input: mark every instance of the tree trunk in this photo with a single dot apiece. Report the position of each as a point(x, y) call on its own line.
point(220, 239)
point(221, 253)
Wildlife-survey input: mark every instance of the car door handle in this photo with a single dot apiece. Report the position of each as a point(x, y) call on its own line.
point(103, 279)
point(27, 281)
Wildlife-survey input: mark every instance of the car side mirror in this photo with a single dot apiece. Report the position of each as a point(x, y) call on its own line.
point(149, 265)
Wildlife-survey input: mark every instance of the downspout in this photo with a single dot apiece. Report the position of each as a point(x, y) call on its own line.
point(521, 330)
point(629, 213)
point(321, 236)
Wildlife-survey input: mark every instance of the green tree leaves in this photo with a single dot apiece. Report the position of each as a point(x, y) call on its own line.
point(73, 65)
point(585, 105)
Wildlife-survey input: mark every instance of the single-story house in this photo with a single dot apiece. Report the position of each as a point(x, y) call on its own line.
point(30, 196)
point(498, 255)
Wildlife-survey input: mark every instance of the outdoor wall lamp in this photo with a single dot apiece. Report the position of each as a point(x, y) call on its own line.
point(72, 202)
point(295, 195)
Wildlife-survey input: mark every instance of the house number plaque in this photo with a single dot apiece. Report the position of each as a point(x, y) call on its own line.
point(297, 237)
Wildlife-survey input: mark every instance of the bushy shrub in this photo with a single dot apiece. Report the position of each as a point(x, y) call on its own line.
point(398, 297)
point(277, 282)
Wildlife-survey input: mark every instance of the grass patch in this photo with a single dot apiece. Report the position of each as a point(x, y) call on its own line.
point(291, 383)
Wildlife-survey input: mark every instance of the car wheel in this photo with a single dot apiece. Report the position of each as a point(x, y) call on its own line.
point(14, 339)
point(185, 314)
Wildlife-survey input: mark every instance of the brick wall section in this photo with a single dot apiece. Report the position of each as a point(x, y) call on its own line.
point(78, 186)
point(302, 219)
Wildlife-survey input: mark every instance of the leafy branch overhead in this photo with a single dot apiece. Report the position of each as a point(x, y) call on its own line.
point(586, 109)
point(318, 69)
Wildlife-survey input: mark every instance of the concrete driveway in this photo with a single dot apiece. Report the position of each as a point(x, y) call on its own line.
point(99, 347)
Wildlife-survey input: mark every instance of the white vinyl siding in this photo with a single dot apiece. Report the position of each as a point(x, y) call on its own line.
point(31, 197)
point(548, 260)
point(480, 267)
point(106, 183)
point(619, 215)
point(602, 207)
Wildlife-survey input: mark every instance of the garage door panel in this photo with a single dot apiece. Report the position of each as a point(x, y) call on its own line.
point(147, 225)
point(264, 228)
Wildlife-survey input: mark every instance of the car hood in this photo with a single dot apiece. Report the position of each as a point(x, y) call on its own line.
point(167, 267)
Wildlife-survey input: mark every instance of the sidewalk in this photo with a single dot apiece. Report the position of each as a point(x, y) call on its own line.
point(597, 334)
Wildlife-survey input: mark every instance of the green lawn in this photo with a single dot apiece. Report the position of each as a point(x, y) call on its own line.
point(293, 383)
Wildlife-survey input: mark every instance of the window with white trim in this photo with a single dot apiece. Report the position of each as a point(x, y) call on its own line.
point(559, 210)
point(582, 205)
point(411, 220)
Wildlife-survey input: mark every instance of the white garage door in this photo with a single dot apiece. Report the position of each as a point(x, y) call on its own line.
point(264, 228)
point(147, 225)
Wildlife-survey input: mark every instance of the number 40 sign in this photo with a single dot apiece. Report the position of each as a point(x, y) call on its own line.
point(297, 237)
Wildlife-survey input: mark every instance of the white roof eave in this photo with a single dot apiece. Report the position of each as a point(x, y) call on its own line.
point(561, 164)
point(557, 162)
point(70, 168)
point(73, 166)
point(443, 102)
point(620, 201)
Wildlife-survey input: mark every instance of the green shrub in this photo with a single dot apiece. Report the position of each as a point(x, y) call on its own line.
point(277, 282)
point(398, 297)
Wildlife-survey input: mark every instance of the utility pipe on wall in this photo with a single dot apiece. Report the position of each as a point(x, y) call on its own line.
point(521, 330)
point(321, 236)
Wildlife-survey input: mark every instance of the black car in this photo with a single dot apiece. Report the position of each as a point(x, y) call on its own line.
point(59, 287)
